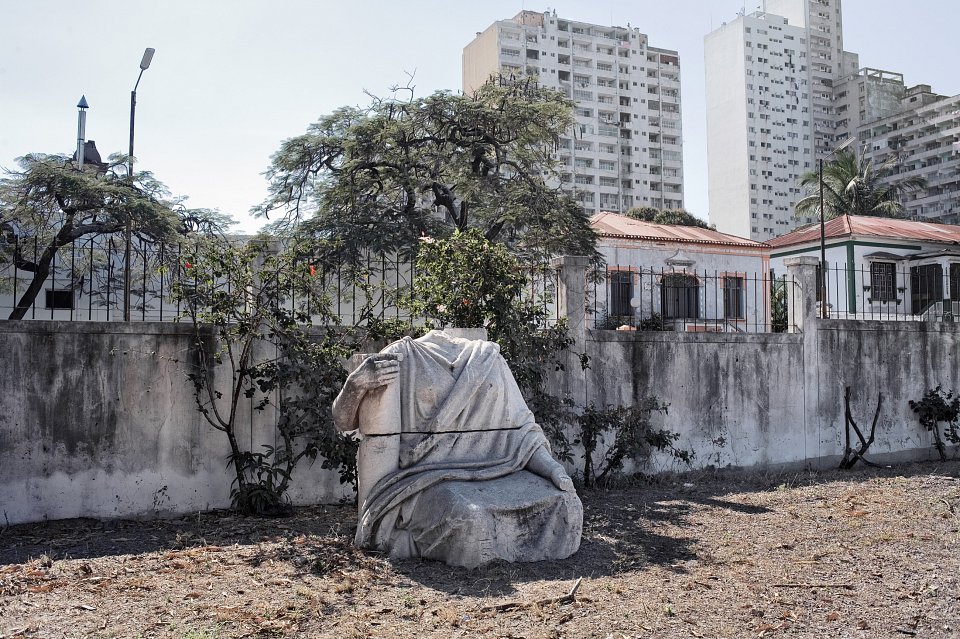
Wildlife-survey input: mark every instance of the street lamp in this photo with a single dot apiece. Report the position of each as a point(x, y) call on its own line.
point(144, 65)
point(823, 228)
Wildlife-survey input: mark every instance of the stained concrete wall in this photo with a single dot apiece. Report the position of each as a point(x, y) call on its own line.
point(99, 420)
point(734, 399)
point(902, 360)
point(773, 400)
point(745, 400)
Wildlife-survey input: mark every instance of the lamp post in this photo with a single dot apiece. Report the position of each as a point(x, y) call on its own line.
point(144, 65)
point(823, 230)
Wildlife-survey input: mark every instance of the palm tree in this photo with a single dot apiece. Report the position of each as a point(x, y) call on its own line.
point(855, 185)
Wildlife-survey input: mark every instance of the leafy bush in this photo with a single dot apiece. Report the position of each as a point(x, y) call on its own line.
point(251, 306)
point(654, 323)
point(778, 305)
point(633, 438)
point(936, 407)
point(466, 281)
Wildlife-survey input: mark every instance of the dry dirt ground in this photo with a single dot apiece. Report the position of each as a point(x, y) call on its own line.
point(868, 553)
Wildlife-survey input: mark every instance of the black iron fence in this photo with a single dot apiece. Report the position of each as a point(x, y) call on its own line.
point(631, 298)
point(891, 291)
point(86, 283)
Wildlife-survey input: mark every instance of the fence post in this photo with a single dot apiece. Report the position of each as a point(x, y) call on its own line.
point(572, 294)
point(802, 311)
point(572, 305)
point(802, 305)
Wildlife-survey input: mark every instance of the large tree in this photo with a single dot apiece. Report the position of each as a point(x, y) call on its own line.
point(853, 184)
point(674, 217)
point(381, 177)
point(50, 203)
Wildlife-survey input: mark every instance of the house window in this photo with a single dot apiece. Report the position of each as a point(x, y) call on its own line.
point(621, 292)
point(926, 287)
point(734, 300)
point(680, 296)
point(883, 281)
point(955, 282)
point(60, 299)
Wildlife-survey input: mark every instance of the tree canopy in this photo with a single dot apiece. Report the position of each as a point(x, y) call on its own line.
point(50, 203)
point(855, 185)
point(379, 178)
point(674, 217)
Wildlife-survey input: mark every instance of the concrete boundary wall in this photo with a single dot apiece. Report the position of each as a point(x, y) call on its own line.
point(99, 420)
point(773, 400)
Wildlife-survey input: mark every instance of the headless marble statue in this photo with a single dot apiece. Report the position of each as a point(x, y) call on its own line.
point(452, 465)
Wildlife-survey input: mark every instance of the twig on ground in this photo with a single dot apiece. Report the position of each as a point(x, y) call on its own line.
point(822, 585)
point(570, 597)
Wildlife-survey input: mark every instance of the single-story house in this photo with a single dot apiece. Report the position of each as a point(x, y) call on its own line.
point(882, 267)
point(681, 277)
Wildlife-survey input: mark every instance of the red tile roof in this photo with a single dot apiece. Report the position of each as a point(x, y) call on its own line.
point(881, 227)
point(620, 226)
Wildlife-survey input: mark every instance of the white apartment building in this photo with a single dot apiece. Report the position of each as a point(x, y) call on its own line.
point(625, 149)
point(923, 129)
point(864, 96)
point(770, 111)
point(781, 92)
point(760, 133)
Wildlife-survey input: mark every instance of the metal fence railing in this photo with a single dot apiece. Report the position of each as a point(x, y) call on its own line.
point(891, 291)
point(630, 298)
point(86, 283)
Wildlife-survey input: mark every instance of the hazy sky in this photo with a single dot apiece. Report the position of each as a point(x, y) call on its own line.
point(231, 79)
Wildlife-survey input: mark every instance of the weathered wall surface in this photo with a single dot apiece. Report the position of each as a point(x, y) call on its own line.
point(903, 360)
point(771, 400)
point(99, 420)
point(734, 399)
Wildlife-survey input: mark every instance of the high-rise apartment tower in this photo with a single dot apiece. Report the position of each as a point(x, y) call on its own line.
point(625, 149)
point(769, 79)
point(781, 93)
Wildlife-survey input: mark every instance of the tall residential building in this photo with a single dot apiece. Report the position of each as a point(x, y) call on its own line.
point(770, 110)
point(625, 149)
point(922, 129)
point(781, 92)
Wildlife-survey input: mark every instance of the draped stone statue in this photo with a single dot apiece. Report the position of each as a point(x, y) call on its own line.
point(452, 465)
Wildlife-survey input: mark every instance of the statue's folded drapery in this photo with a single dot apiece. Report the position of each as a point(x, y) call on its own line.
point(466, 436)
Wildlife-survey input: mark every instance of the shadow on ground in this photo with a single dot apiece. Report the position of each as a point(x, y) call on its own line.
point(622, 532)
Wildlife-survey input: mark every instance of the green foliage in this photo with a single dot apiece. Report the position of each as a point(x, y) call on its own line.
point(51, 203)
point(633, 438)
point(375, 178)
point(935, 407)
point(258, 299)
point(674, 217)
point(467, 281)
point(654, 323)
point(855, 185)
point(778, 304)
point(606, 322)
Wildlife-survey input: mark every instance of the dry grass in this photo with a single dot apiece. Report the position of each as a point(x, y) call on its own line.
point(869, 553)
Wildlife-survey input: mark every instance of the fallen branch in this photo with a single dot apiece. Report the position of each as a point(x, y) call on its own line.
point(851, 456)
point(823, 585)
point(570, 597)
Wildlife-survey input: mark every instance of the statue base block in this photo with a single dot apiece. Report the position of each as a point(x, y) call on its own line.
point(520, 517)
